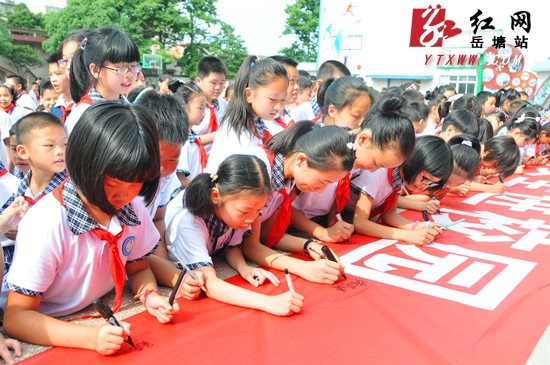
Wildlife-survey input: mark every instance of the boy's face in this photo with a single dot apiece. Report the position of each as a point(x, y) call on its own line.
point(48, 98)
point(212, 85)
point(292, 92)
point(15, 158)
point(169, 158)
point(45, 149)
point(59, 79)
point(304, 96)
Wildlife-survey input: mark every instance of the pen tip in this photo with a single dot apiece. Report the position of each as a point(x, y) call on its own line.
point(286, 271)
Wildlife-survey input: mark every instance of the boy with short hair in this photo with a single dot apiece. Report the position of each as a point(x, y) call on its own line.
point(211, 74)
point(41, 141)
point(22, 97)
point(20, 167)
point(48, 96)
point(60, 81)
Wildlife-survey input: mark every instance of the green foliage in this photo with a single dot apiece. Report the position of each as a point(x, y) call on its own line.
point(230, 48)
point(6, 43)
point(24, 55)
point(21, 17)
point(303, 22)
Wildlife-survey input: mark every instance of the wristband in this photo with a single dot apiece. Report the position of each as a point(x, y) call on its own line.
point(307, 244)
point(413, 227)
point(146, 293)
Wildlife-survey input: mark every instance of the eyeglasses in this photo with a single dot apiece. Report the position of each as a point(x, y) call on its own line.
point(123, 70)
point(426, 181)
point(64, 63)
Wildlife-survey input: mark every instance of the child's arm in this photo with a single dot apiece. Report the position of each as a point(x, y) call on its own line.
point(338, 232)
point(419, 202)
point(166, 273)
point(142, 281)
point(320, 271)
point(283, 304)
point(398, 228)
point(23, 321)
point(208, 138)
point(254, 275)
point(489, 187)
point(158, 221)
point(12, 215)
point(184, 181)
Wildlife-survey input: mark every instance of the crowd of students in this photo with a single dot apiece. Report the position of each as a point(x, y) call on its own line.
point(114, 180)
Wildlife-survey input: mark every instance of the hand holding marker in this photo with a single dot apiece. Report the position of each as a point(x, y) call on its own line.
point(107, 313)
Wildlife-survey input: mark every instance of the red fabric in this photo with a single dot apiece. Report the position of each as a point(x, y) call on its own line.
point(389, 202)
point(3, 172)
point(118, 271)
point(281, 122)
point(202, 153)
point(66, 111)
point(342, 193)
point(378, 317)
point(86, 99)
point(9, 108)
point(213, 124)
point(317, 118)
point(266, 136)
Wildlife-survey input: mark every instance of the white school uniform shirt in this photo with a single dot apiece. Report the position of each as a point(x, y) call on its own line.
point(8, 186)
point(202, 128)
point(228, 143)
point(168, 187)
point(522, 150)
point(430, 128)
point(193, 238)
point(58, 258)
point(5, 124)
point(302, 112)
point(190, 160)
point(375, 185)
point(25, 100)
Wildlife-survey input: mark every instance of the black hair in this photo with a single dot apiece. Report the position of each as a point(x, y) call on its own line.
point(304, 83)
point(466, 149)
point(174, 85)
point(505, 152)
point(483, 96)
point(304, 73)
point(52, 58)
point(32, 122)
point(326, 148)
point(332, 68)
point(442, 88)
point(502, 95)
point(469, 102)
point(117, 140)
point(186, 92)
point(390, 126)
point(341, 92)
point(47, 85)
point(134, 93)
point(431, 154)
point(75, 36)
point(285, 60)
point(210, 64)
point(253, 73)
point(527, 122)
point(237, 175)
point(516, 106)
point(485, 130)
point(413, 95)
point(169, 115)
point(105, 44)
point(422, 109)
point(17, 80)
point(464, 121)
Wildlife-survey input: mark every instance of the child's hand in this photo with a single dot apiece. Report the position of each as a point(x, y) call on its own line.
point(432, 206)
point(338, 232)
point(5, 346)
point(519, 169)
point(285, 304)
point(320, 271)
point(158, 306)
point(460, 190)
point(424, 236)
point(498, 188)
point(13, 213)
point(190, 289)
point(109, 339)
point(257, 277)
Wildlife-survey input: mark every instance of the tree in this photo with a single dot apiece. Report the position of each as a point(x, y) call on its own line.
point(19, 56)
point(21, 17)
point(303, 22)
point(6, 42)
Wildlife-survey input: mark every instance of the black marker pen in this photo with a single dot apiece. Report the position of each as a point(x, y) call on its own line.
point(107, 313)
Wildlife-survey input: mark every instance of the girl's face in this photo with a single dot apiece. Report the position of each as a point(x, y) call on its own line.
point(169, 158)
point(109, 83)
point(520, 138)
point(140, 80)
point(67, 53)
point(544, 138)
point(119, 193)
point(59, 79)
point(163, 86)
point(423, 181)
point(489, 106)
point(268, 101)
point(238, 212)
point(352, 115)
point(495, 122)
point(5, 97)
point(309, 180)
point(371, 158)
point(195, 109)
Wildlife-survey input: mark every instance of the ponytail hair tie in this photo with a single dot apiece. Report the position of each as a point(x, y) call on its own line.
point(520, 119)
point(214, 176)
point(83, 44)
point(352, 146)
point(467, 143)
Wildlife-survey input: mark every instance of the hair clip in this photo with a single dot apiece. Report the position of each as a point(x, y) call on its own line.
point(214, 176)
point(352, 146)
point(83, 44)
point(252, 64)
point(520, 119)
point(467, 143)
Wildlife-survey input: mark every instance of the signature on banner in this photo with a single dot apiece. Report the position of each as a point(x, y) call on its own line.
point(451, 272)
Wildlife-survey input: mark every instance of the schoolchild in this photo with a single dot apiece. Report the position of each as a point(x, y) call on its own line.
point(375, 195)
point(433, 101)
point(459, 121)
point(20, 165)
point(524, 127)
point(284, 119)
point(6, 122)
point(260, 91)
point(423, 113)
point(59, 79)
point(304, 92)
point(7, 104)
point(112, 157)
point(302, 158)
point(488, 101)
point(103, 67)
point(218, 209)
point(21, 96)
point(504, 97)
point(210, 77)
point(48, 96)
point(345, 102)
point(539, 151)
